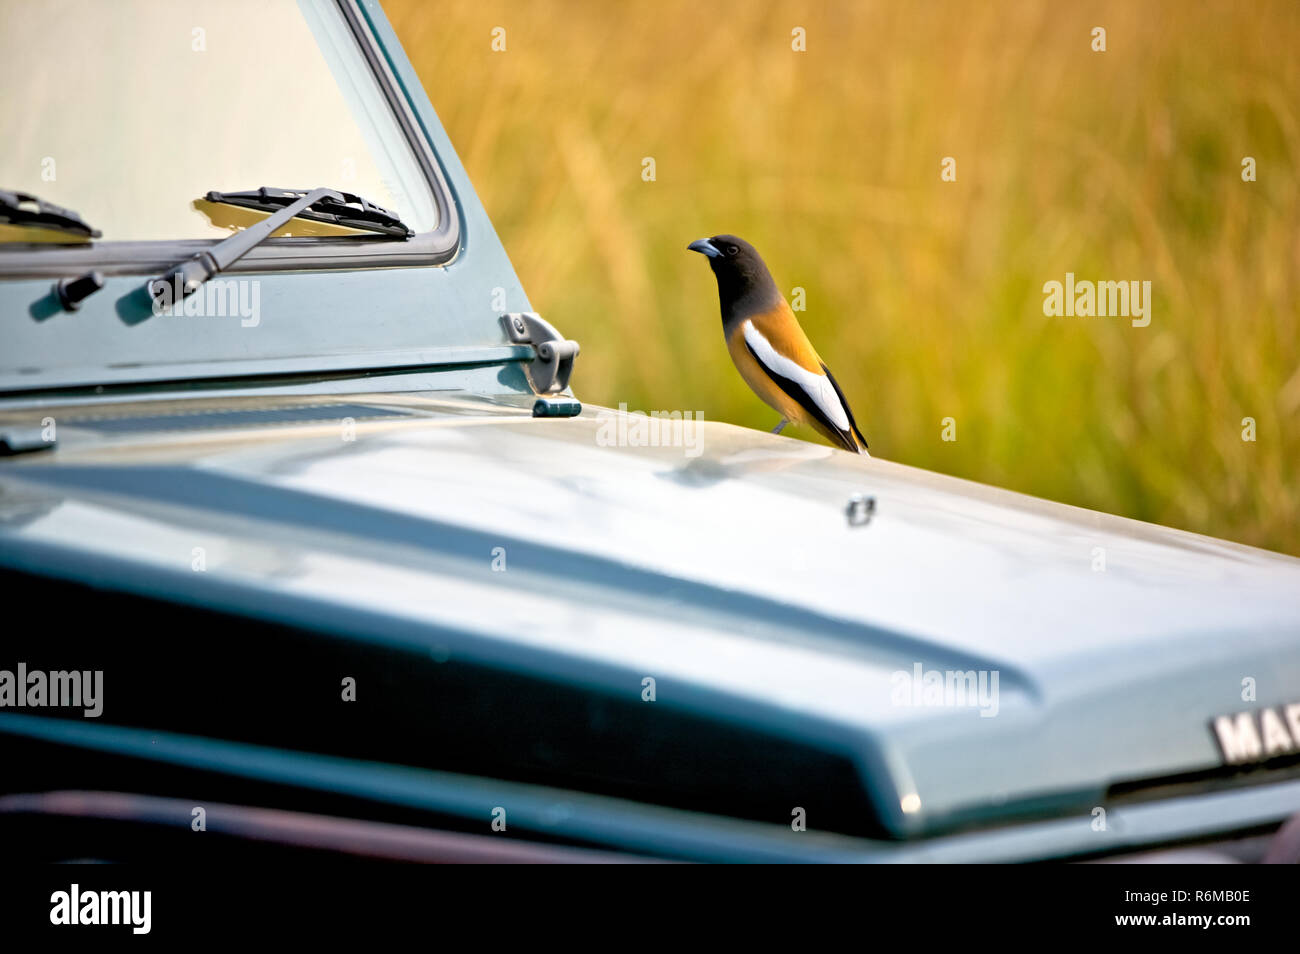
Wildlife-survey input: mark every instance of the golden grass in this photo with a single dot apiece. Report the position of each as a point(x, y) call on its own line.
point(925, 297)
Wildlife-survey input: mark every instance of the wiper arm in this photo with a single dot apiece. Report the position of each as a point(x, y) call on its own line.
point(29, 211)
point(321, 205)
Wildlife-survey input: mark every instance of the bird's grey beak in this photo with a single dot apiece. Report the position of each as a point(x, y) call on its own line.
point(704, 247)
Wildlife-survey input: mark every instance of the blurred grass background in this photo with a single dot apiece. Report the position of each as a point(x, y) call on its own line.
point(925, 297)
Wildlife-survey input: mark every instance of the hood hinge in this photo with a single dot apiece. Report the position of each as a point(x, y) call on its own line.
point(549, 372)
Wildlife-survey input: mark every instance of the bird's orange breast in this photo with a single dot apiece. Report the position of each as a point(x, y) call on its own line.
point(759, 381)
point(780, 327)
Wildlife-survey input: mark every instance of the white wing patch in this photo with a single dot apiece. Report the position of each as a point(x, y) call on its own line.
point(816, 386)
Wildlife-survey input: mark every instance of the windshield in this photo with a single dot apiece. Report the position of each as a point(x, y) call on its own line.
point(130, 112)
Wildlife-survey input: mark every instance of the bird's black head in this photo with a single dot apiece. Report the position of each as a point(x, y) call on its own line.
point(745, 286)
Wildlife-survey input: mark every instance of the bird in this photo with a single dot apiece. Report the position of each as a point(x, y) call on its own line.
point(770, 349)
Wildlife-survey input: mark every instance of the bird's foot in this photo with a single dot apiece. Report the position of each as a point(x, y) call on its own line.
point(777, 429)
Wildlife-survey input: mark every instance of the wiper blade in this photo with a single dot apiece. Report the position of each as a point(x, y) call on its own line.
point(342, 208)
point(28, 211)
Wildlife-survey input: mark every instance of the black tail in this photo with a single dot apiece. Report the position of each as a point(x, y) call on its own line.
point(853, 437)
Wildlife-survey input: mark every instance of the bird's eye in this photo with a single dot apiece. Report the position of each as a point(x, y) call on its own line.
point(732, 250)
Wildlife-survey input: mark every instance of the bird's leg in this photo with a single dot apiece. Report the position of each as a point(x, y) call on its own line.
point(784, 422)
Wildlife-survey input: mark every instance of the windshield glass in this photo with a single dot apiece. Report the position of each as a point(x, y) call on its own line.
point(129, 112)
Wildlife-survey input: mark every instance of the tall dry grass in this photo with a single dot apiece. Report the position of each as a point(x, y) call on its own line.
point(925, 297)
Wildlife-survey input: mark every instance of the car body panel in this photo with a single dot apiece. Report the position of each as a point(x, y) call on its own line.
point(626, 562)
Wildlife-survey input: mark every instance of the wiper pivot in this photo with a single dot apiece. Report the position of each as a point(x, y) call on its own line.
point(71, 292)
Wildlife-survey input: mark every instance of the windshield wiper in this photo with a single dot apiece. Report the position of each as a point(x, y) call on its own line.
point(339, 208)
point(320, 205)
point(28, 211)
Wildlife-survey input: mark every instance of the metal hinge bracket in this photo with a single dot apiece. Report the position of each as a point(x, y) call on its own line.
point(550, 370)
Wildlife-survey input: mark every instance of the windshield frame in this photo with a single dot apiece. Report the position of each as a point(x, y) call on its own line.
point(436, 247)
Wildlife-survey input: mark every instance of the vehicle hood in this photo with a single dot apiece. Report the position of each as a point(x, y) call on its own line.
point(717, 562)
